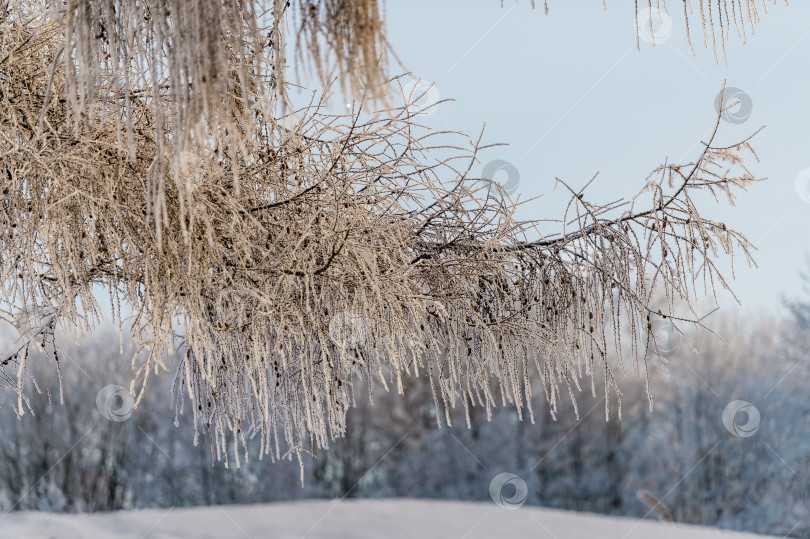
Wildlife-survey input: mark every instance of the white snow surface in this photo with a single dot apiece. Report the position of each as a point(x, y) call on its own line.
point(389, 518)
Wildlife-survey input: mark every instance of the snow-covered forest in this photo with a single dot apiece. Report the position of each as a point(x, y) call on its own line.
point(682, 453)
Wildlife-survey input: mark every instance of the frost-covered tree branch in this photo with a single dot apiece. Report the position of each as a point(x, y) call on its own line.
point(216, 59)
point(276, 265)
point(718, 19)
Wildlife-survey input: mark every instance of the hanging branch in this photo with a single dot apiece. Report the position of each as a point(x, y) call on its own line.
point(336, 252)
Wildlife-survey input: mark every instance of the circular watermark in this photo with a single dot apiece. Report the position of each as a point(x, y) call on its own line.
point(508, 491)
point(741, 418)
point(421, 96)
point(802, 185)
point(507, 174)
point(654, 26)
point(188, 166)
point(193, 482)
point(349, 330)
point(421, 408)
point(188, 484)
point(734, 105)
point(115, 403)
point(663, 337)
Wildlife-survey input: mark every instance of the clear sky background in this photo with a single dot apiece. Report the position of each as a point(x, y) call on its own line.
point(572, 96)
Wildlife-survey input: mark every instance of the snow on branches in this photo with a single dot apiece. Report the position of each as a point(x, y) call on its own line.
point(717, 18)
point(277, 272)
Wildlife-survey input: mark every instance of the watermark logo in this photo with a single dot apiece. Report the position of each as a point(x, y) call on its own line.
point(193, 482)
point(508, 491)
point(654, 26)
point(421, 409)
point(802, 185)
point(507, 174)
point(664, 337)
point(115, 403)
point(734, 105)
point(741, 418)
point(421, 96)
point(188, 166)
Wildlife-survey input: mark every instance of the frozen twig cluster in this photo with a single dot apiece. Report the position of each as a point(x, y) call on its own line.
point(718, 19)
point(215, 60)
point(219, 60)
point(275, 271)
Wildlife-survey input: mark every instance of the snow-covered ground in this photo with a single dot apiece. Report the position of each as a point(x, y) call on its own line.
point(393, 518)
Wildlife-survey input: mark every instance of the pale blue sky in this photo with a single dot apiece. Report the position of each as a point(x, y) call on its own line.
point(572, 96)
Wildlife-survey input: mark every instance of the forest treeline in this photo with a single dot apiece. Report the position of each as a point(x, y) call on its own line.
point(744, 471)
